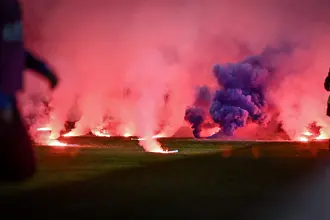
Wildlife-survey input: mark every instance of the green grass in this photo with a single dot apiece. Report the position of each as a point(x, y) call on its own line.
point(112, 177)
point(95, 156)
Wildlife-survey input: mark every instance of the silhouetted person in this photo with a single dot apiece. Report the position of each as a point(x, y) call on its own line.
point(17, 160)
point(327, 87)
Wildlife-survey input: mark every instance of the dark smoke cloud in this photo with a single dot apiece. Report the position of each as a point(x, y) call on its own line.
point(196, 117)
point(197, 114)
point(243, 86)
point(241, 97)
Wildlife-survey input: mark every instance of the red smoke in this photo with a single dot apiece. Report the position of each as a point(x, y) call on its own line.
point(118, 59)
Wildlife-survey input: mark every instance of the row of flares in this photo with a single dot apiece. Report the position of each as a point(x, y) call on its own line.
point(52, 140)
point(152, 144)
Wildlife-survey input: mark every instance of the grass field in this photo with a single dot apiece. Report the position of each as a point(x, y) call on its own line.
point(114, 178)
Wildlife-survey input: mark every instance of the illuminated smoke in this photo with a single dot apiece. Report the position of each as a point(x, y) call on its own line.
point(151, 48)
point(242, 93)
point(242, 96)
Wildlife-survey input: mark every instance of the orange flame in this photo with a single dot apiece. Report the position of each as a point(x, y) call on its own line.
point(303, 139)
point(308, 136)
point(153, 146)
point(54, 135)
point(101, 133)
point(322, 136)
point(307, 133)
point(127, 134)
point(56, 143)
point(51, 139)
point(157, 136)
point(70, 134)
point(44, 129)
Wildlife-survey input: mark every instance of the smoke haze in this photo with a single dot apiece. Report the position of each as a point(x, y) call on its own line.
point(139, 62)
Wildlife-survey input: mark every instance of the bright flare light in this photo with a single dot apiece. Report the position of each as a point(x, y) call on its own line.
point(153, 146)
point(44, 129)
point(162, 151)
point(303, 139)
point(70, 134)
point(307, 133)
point(54, 135)
point(101, 133)
point(56, 143)
point(322, 137)
point(127, 134)
point(51, 140)
point(308, 136)
point(153, 137)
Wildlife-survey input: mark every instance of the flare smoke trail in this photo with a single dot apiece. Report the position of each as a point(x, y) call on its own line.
point(102, 48)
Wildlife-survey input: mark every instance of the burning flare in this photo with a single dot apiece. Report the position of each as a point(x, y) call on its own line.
point(101, 133)
point(157, 136)
point(56, 143)
point(153, 146)
point(49, 139)
point(70, 134)
point(150, 144)
point(303, 139)
point(127, 134)
point(313, 133)
point(44, 129)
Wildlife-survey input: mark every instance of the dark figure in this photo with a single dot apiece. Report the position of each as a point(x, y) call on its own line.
point(33, 63)
point(17, 160)
point(327, 87)
point(327, 82)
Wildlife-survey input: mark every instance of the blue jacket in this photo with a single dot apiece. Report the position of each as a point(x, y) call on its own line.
point(14, 58)
point(12, 54)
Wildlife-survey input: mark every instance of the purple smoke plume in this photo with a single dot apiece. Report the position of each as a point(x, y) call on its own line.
point(197, 114)
point(241, 94)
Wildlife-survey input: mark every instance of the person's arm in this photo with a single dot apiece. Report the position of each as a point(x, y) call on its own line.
point(33, 63)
